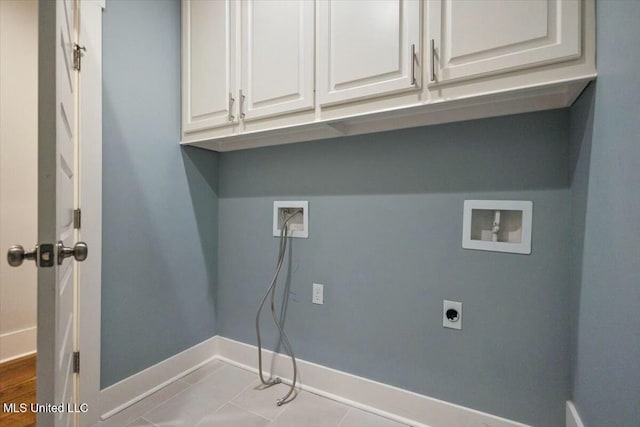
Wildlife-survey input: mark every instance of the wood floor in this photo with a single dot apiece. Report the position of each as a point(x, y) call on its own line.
point(18, 385)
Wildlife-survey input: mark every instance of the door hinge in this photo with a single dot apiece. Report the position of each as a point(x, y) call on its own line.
point(77, 218)
point(78, 53)
point(76, 362)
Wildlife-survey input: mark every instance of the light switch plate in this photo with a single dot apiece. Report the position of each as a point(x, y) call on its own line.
point(318, 294)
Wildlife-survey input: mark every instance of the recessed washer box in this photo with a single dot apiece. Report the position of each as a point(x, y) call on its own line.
point(298, 225)
point(497, 225)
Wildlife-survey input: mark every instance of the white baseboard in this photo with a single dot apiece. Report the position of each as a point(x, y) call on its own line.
point(17, 344)
point(573, 418)
point(391, 402)
point(125, 393)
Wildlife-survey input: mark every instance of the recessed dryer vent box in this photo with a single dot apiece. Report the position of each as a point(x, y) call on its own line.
point(298, 225)
point(497, 225)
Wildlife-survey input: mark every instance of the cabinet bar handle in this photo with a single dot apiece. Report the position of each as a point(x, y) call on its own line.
point(241, 104)
point(433, 60)
point(231, 101)
point(413, 64)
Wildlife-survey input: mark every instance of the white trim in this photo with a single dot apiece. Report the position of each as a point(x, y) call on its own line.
point(90, 202)
point(125, 393)
point(18, 344)
point(390, 402)
point(573, 418)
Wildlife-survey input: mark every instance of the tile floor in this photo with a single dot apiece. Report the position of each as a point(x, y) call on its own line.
point(222, 395)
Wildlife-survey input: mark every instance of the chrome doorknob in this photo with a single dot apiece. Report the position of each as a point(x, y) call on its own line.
point(79, 252)
point(16, 255)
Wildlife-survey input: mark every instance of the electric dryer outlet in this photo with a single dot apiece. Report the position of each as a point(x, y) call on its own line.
point(452, 314)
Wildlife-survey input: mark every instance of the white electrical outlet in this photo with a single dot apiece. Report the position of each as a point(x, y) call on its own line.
point(452, 314)
point(318, 294)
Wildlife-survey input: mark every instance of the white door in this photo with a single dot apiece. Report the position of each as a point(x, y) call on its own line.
point(57, 198)
point(56, 93)
point(209, 65)
point(473, 38)
point(368, 48)
point(277, 57)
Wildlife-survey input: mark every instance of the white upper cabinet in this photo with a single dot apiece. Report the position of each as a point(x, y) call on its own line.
point(208, 64)
point(368, 48)
point(266, 72)
point(277, 57)
point(471, 38)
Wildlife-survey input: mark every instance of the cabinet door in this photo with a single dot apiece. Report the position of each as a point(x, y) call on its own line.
point(474, 38)
point(277, 57)
point(367, 48)
point(208, 64)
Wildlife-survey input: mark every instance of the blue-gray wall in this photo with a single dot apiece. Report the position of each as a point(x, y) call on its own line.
point(385, 240)
point(385, 221)
point(159, 201)
point(607, 272)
